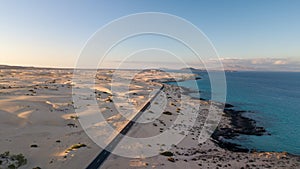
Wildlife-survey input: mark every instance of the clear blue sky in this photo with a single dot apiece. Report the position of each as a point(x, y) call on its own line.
point(52, 32)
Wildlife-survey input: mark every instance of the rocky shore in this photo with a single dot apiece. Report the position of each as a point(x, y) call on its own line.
point(238, 125)
point(234, 123)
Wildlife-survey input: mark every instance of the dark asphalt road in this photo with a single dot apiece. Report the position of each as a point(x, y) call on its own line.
point(104, 154)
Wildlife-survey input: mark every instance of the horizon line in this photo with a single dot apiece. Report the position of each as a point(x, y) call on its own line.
point(7, 66)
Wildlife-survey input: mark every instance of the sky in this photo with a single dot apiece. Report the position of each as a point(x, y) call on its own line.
point(252, 35)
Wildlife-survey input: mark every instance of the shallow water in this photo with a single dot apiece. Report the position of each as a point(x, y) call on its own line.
point(273, 99)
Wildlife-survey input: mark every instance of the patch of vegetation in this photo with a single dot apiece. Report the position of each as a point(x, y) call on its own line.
point(12, 166)
point(167, 153)
point(150, 112)
point(74, 117)
point(21, 160)
point(171, 159)
point(34, 146)
point(12, 161)
point(4, 155)
point(72, 125)
point(75, 147)
point(167, 113)
point(109, 100)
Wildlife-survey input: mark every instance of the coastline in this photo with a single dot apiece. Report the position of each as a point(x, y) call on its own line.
point(239, 125)
point(234, 124)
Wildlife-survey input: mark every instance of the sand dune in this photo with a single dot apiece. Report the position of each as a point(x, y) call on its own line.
point(39, 120)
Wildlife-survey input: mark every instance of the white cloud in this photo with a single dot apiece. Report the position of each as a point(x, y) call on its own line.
point(260, 64)
point(280, 62)
point(263, 64)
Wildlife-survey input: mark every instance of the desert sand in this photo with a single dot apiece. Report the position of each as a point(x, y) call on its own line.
point(39, 120)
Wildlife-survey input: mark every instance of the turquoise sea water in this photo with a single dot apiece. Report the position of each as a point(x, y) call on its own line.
point(272, 99)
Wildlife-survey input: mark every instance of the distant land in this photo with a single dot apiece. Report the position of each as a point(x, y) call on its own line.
point(194, 70)
point(29, 67)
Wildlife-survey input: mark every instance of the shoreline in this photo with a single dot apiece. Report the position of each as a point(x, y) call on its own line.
point(239, 125)
point(236, 124)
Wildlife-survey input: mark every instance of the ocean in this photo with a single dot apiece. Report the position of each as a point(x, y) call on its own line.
point(271, 98)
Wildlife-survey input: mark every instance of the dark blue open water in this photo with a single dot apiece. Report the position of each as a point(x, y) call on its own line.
point(274, 100)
